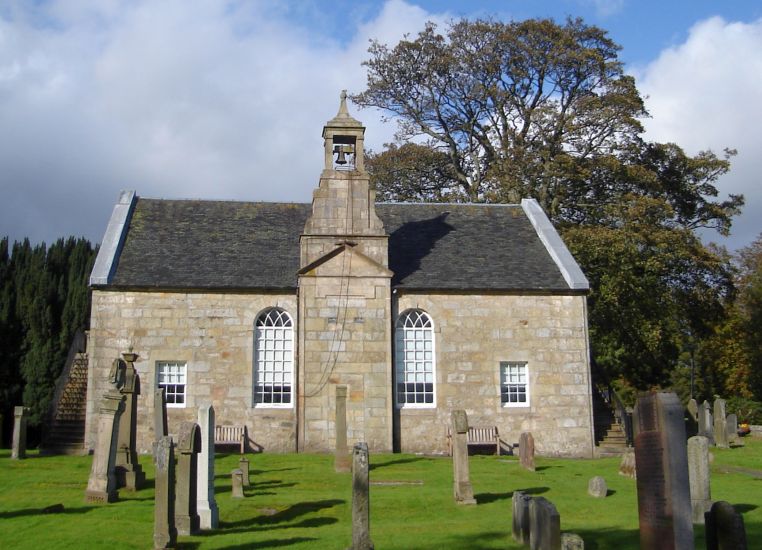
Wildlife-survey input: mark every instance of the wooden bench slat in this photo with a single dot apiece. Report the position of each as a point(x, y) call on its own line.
point(478, 435)
point(230, 435)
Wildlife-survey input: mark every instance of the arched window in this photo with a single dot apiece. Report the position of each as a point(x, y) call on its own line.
point(273, 359)
point(414, 359)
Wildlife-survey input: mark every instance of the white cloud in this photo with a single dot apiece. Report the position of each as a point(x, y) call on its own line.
point(705, 94)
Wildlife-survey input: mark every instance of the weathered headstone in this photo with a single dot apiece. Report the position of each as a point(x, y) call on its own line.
point(572, 541)
point(720, 424)
point(597, 487)
point(462, 489)
point(627, 465)
point(129, 474)
point(698, 473)
point(236, 480)
point(341, 460)
point(526, 450)
point(20, 415)
point(159, 414)
point(691, 421)
point(206, 505)
point(361, 498)
point(732, 429)
point(693, 409)
point(186, 495)
point(664, 500)
point(544, 525)
point(243, 465)
point(164, 531)
point(705, 422)
point(102, 486)
point(725, 529)
point(520, 521)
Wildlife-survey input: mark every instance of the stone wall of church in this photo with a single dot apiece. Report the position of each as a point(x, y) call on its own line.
point(213, 333)
point(473, 334)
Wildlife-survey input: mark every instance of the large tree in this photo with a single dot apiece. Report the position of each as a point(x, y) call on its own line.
point(492, 111)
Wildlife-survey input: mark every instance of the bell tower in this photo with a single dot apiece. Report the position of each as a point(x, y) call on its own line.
point(344, 301)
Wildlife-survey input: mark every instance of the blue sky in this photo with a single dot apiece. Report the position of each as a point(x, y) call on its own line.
point(226, 100)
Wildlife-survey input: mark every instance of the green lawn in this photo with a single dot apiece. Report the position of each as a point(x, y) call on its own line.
point(298, 501)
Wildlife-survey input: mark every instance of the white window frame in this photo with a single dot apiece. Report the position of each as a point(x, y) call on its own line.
point(273, 359)
point(415, 359)
point(514, 376)
point(178, 376)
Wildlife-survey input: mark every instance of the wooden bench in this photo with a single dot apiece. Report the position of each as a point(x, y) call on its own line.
point(230, 435)
point(478, 436)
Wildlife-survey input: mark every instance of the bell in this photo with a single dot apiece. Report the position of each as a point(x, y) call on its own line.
point(341, 159)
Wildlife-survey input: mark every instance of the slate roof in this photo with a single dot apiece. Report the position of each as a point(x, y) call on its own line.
point(194, 244)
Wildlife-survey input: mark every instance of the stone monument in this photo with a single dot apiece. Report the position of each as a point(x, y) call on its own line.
point(164, 531)
point(597, 487)
point(129, 474)
point(186, 494)
point(698, 473)
point(627, 465)
point(705, 422)
point(102, 485)
point(664, 500)
point(236, 480)
point(206, 505)
point(720, 424)
point(159, 414)
point(544, 525)
point(20, 414)
point(526, 451)
point(520, 520)
point(725, 529)
point(243, 465)
point(691, 424)
point(341, 460)
point(732, 429)
point(462, 489)
point(361, 498)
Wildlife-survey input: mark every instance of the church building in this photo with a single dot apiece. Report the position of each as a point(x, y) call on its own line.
point(264, 309)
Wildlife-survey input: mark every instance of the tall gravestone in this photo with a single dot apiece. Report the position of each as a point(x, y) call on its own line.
point(720, 424)
point(526, 451)
point(698, 473)
point(462, 489)
point(705, 422)
point(236, 483)
point(664, 500)
point(691, 424)
point(361, 498)
point(129, 473)
point(341, 461)
point(20, 414)
point(102, 485)
point(164, 531)
point(732, 429)
point(186, 495)
point(725, 529)
point(206, 505)
point(627, 466)
point(544, 525)
point(520, 520)
point(159, 414)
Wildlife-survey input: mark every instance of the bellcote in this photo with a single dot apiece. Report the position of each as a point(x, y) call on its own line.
point(343, 138)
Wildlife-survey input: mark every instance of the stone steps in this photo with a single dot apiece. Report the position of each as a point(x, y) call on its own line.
point(66, 435)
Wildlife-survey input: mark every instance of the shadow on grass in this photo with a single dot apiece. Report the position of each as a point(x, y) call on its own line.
point(605, 539)
point(44, 512)
point(743, 508)
point(486, 498)
point(532, 491)
point(482, 541)
point(393, 462)
point(290, 513)
point(275, 543)
point(610, 492)
point(541, 468)
point(258, 488)
point(309, 523)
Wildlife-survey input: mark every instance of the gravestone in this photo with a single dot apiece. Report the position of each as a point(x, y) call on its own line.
point(725, 529)
point(164, 531)
point(597, 488)
point(572, 541)
point(186, 494)
point(693, 409)
point(544, 525)
point(20, 415)
point(206, 505)
point(236, 480)
point(732, 429)
point(520, 521)
point(243, 465)
point(341, 461)
point(102, 485)
point(698, 473)
point(720, 424)
point(664, 500)
point(360, 498)
point(705, 422)
point(627, 465)
point(129, 474)
point(462, 489)
point(159, 414)
point(691, 421)
point(526, 451)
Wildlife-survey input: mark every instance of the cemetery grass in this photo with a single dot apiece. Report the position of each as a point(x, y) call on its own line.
point(298, 501)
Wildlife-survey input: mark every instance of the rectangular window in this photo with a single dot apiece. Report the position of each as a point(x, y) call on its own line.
point(514, 384)
point(172, 376)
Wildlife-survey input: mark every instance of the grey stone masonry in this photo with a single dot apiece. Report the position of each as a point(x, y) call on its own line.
point(720, 424)
point(159, 414)
point(462, 489)
point(526, 451)
point(206, 505)
point(164, 531)
point(341, 460)
point(544, 525)
point(725, 529)
point(20, 415)
point(520, 519)
point(596, 487)
point(186, 494)
point(698, 472)
point(129, 473)
point(236, 480)
point(361, 498)
point(102, 485)
point(705, 422)
point(664, 500)
point(243, 465)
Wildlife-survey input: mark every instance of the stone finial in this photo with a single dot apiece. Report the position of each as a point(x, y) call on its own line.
point(343, 111)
